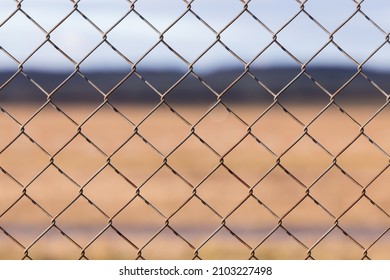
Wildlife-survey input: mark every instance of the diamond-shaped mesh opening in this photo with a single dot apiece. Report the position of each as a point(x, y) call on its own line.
point(331, 68)
point(306, 160)
point(155, 59)
point(195, 221)
point(48, 134)
point(220, 129)
point(104, 54)
point(360, 88)
point(136, 160)
point(280, 246)
point(18, 91)
point(364, 222)
point(371, 9)
point(304, 99)
point(378, 74)
point(247, 98)
point(7, 9)
point(164, 130)
point(79, 159)
point(255, 37)
point(331, 76)
point(10, 191)
point(341, 10)
point(218, 78)
point(25, 221)
point(308, 221)
point(23, 160)
point(302, 29)
point(337, 245)
point(48, 246)
point(111, 246)
point(9, 67)
point(166, 191)
point(134, 98)
point(109, 191)
point(198, 40)
point(381, 249)
point(188, 93)
point(252, 222)
point(359, 32)
point(378, 131)
point(78, 42)
point(53, 191)
point(228, 9)
point(274, 78)
point(139, 221)
point(135, 30)
point(48, 76)
point(334, 130)
point(107, 129)
point(250, 160)
point(10, 130)
point(53, 11)
point(224, 246)
point(171, 9)
point(378, 191)
point(81, 221)
point(279, 192)
point(357, 164)
point(359, 113)
point(335, 191)
point(78, 90)
point(264, 11)
point(94, 11)
point(169, 246)
point(10, 250)
point(193, 160)
point(222, 191)
point(277, 129)
point(29, 36)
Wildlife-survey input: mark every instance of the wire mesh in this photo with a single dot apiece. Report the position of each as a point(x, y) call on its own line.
point(167, 180)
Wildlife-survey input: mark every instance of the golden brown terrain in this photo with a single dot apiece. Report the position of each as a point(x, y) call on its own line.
point(92, 174)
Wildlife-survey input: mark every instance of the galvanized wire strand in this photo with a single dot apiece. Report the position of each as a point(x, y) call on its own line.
point(166, 158)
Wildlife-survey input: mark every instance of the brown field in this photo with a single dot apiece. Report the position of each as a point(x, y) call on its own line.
point(164, 177)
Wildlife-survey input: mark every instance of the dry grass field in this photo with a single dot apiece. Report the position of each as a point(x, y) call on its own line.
point(146, 175)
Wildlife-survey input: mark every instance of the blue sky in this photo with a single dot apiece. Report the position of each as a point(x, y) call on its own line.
point(189, 37)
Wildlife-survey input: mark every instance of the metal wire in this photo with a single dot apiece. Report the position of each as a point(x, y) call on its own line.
point(193, 133)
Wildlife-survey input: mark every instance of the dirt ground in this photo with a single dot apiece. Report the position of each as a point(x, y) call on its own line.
point(180, 183)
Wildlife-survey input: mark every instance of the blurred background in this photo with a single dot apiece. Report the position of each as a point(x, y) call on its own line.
point(190, 37)
point(204, 129)
point(246, 37)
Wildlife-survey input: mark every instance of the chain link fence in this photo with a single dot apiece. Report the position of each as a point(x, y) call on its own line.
point(273, 179)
